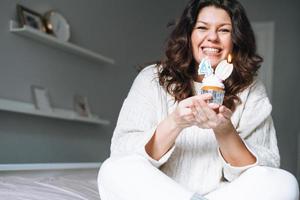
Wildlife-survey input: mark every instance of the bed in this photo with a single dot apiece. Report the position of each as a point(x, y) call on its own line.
point(49, 181)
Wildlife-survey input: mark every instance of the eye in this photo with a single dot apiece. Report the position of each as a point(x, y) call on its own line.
point(225, 30)
point(201, 28)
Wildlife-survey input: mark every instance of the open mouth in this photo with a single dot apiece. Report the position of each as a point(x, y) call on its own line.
point(211, 50)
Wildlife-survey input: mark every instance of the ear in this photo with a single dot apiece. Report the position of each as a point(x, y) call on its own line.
point(223, 70)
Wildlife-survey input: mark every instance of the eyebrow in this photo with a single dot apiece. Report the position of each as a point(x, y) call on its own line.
point(222, 24)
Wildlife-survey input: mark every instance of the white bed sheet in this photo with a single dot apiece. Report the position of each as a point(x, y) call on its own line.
point(49, 185)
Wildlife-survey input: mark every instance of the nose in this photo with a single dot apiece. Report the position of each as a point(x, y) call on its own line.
point(212, 36)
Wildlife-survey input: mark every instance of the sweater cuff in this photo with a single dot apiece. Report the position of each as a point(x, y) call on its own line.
point(163, 159)
point(232, 172)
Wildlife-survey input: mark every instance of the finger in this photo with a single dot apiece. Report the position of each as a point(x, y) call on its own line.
point(194, 110)
point(204, 126)
point(186, 103)
point(214, 106)
point(185, 117)
point(189, 102)
point(190, 119)
point(201, 116)
point(185, 112)
point(226, 112)
point(203, 97)
point(210, 114)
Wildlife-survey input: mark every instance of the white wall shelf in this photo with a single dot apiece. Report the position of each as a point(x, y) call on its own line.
point(29, 108)
point(35, 34)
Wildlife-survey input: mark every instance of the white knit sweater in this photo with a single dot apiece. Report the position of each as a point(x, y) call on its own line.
point(194, 161)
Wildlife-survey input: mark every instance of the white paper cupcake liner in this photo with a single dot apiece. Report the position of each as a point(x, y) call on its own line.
point(217, 96)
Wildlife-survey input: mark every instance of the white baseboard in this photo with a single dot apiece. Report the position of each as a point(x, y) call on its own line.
point(49, 166)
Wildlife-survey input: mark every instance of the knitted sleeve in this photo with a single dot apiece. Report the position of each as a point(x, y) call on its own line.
point(138, 118)
point(257, 130)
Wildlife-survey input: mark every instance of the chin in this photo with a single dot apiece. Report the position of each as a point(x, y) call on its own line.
point(214, 59)
point(214, 63)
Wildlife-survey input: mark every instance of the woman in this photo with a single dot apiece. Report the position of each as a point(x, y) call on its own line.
point(170, 143)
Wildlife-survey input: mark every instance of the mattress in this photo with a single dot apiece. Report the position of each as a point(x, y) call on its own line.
point(67, 184)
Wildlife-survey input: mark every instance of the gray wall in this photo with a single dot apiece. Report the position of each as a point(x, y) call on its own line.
point(131, 32)
point(286, 72)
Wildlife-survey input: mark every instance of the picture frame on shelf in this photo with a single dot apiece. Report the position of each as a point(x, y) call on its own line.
point(81, 106)
point(30, 18)
point(41, 98)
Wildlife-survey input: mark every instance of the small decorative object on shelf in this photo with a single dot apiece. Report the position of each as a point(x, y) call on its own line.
point(64, 114)
point(51, 29)
point(81, 106)
point(41, 98)
point(30, 18)
point(57, 25)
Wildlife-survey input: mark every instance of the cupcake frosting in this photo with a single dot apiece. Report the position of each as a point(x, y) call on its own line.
point(212, 80)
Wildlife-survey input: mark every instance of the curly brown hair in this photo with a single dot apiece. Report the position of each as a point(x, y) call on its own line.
point(178, 69)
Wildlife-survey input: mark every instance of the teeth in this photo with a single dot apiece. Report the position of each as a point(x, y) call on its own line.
point(213, 50)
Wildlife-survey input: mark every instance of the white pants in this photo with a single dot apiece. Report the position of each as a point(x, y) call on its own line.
point(134, 178)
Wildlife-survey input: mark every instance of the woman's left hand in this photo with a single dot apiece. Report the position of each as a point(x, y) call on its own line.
point(209, 115)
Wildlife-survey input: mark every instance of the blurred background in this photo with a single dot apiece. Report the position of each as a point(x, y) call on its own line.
point(129, 33)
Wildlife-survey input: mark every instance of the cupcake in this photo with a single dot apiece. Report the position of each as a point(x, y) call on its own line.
point(213, 80)
point(212, 85)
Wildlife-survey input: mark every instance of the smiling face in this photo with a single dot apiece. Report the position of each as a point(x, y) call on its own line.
point(211, 36)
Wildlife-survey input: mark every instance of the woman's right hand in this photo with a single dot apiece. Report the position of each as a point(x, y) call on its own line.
point(183, 116)
point(185, 113)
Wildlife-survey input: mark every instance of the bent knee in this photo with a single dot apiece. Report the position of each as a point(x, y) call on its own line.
point(274, 175)
point(287, 184)
point(281, 182)
point(114, 171)
point(105, 170)
point(115, 167)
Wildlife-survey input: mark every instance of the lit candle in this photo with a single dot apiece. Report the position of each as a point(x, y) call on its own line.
point(224, 68)
point(229, 58)
point(213, 83)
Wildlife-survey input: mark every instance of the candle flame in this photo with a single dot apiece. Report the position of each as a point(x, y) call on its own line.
point(229, 58)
